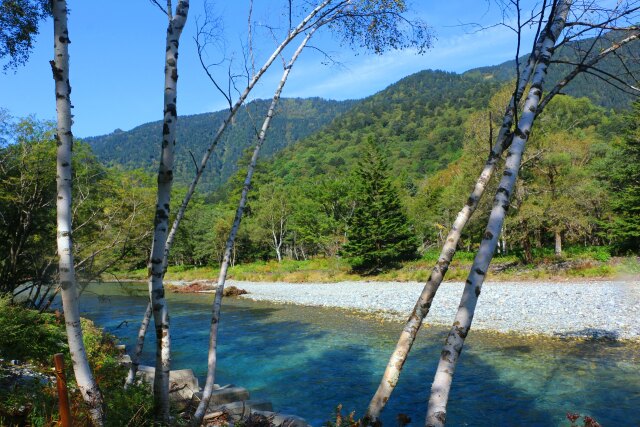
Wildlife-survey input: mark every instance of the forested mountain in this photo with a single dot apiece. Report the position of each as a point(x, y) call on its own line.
point(139, 147)
point(418, 120)
point(587, 84)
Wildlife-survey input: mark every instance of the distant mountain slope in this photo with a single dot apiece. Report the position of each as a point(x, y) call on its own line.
point(139, 147)
point(418, 119)
point(585, 85)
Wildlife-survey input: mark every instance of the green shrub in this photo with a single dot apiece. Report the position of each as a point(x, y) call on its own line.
point(28, 335)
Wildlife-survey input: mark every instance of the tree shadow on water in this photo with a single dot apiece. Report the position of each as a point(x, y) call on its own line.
point(349, 375)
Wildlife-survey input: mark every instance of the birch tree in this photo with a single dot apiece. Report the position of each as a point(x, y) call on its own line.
point(161, 259)
point(421, 309)
point(215, 318)
point(504, 138)
point(377, 25)
point(273, 212)
point(437, 410)
point(161, 220)
point(68, 285)
point(378, 45)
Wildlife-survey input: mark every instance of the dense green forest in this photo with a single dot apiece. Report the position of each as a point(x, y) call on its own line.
point(576, 187)
point(597, 86)
point(563, 195)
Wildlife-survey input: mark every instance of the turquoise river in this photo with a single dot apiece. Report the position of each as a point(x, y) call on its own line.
point(308, 360)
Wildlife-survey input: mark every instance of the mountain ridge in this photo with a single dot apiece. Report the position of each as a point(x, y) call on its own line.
point(451, 96)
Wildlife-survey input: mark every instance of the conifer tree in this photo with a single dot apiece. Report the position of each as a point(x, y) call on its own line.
point(379, 234)
point(625, 182)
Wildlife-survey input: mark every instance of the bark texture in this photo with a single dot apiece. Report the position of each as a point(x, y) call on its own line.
point(437, 410)
point(137, 351)
point(161, 220)
point(421, 309)
point(68, 284)
point(215, 317)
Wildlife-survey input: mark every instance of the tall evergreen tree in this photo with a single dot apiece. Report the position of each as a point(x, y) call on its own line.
point(379, 235)
point(624, 176)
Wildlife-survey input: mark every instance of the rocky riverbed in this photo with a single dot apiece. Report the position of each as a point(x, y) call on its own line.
point(582, 309)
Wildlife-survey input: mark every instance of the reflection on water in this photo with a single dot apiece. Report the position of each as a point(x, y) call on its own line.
point(307, 360)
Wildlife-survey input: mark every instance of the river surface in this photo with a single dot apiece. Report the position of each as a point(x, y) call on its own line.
point(308, 360)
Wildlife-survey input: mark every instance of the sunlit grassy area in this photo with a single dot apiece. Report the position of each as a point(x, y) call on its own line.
point(575, 263)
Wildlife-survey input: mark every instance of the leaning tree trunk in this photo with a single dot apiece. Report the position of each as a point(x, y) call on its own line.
point(421, 309)
point(137, 351)
point(215, 317)
point(302, 26)
point(69, 292)
point(437, 410)
point(205, 158)
point(161, 220)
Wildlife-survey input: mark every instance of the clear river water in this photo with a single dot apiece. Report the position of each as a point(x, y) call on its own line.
point(308, 360)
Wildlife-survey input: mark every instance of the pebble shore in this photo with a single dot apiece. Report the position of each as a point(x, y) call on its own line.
point(607, 309)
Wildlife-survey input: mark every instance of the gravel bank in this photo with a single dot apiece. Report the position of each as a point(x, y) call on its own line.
point(588, 309)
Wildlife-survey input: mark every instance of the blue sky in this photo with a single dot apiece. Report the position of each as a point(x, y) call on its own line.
point(117, 60)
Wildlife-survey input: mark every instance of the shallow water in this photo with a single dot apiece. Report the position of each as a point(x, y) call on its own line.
point(308, 360)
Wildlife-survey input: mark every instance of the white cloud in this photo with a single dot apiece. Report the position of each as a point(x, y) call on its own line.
point(365, 75)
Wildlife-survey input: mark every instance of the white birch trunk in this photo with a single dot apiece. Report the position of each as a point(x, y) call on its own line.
point(277, 244)
point(558, 249)
point(437, 410)
point(421, 309)
point(137, 351)
point(68, 285)
point(205, 158)
point(161, 220)
point(215, 317)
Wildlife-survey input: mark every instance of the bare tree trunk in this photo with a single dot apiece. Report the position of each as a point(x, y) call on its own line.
point(60, 67)
point(504, 240)
point(137, 351)
point(205, 158)
point(437, 411)
point(156, 281)
point(276, 245)
point(421, 309)
point(558, 248)
point(215, 318)
point(161, 220)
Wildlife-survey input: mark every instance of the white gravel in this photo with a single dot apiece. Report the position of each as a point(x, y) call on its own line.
point(581, 309)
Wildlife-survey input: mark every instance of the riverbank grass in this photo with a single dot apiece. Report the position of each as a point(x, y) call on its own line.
point(590, 262)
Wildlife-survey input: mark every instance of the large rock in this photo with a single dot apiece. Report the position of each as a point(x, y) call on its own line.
point(282, 420)
point(183, 384)
point(222, 395)
point(240, 410)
